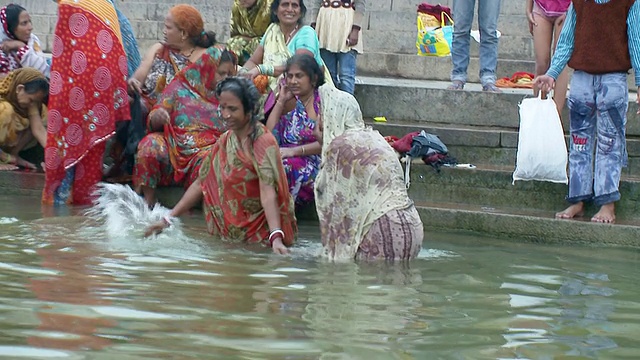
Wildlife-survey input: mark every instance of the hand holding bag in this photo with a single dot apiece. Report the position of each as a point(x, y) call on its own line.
point(542, 150)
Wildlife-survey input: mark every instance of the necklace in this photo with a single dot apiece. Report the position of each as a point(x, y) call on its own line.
point(190, 53)
point(291, 34)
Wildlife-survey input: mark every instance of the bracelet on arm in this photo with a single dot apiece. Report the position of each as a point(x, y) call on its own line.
point(167, 220)
point(303, 151)
point(265, 69)
point(274, 234)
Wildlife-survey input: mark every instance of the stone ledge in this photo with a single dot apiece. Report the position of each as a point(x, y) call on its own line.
point(531, 227)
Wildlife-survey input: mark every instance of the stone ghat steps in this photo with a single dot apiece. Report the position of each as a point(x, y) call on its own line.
point(520, 225)
point(427, 100)
point(411, 66)
point(514, 221)
point(483, 145)
point(491, 187)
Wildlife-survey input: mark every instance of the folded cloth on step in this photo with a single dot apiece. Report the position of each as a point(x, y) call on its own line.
point(435, 11)
point(475, 34)
point(521, 79)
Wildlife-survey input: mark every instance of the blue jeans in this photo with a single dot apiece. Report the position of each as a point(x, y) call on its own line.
point(598, 105)
point(488, 12)
point(342, 67)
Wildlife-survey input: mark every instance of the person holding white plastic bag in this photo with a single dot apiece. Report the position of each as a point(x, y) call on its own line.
point(598, 100)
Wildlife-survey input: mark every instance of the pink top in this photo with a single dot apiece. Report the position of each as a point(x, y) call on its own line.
point(553, 8)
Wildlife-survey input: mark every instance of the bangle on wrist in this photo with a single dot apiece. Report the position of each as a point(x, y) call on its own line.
point(275, 233)
point(303, 151)
point(167, 220)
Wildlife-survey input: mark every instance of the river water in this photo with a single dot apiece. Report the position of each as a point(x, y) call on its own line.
point(70, 290)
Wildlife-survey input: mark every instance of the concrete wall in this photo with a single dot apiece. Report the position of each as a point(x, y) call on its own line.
point(390, 25)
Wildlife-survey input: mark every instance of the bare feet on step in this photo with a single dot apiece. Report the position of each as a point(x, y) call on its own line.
point(575, 210)
point(606, 214)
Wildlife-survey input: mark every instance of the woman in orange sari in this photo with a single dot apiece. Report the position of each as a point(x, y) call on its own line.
point(243, 183)
point(88, 93)
point(183, 125)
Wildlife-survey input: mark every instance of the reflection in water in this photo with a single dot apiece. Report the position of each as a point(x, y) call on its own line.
point(68, 288)
point(66, 321)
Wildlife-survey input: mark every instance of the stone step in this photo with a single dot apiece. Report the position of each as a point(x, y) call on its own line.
point(411, 66)
point(427, 100)
point(520, 225)
point(516, 222)
point(483, 145)
point(491, 187)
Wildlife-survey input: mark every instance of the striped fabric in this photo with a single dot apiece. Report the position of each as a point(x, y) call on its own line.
point(567, 40)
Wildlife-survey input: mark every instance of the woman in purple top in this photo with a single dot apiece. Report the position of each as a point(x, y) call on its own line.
point(545, 23)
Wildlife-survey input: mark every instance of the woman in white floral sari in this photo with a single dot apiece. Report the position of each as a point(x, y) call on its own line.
point(362, 202)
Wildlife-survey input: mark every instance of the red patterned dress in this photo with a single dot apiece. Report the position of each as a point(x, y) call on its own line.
point(87, 95)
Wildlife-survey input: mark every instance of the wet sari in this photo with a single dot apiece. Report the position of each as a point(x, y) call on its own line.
point(295, 128)
point(362, 202)
point(247, 28)
point(231, 187)
point(88, 93)
point(174, 156)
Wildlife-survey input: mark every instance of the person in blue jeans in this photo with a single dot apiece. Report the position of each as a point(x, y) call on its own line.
point(488, 12)
point(338, 26)
point(599, 98)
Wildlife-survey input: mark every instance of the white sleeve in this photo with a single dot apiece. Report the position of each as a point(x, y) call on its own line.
point(32, 56)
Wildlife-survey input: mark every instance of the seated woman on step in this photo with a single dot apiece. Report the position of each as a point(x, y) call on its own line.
point(183, 125)
point(19, 46)
point(23, 95)
point(362, 202)
point(285, 37)
point(249, 21)
point(293, 119)
point(242, 181)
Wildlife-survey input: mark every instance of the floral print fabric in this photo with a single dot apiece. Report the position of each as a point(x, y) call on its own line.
point(231, 187)
point(294, 129)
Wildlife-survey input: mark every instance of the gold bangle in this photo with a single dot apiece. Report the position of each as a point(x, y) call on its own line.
point(302, 150)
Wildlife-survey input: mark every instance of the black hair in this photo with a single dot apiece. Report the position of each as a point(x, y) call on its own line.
point(274, 11)
point(205, 39)
point(36, 86)
point(243, 89)
point(13, 12)
point(309, 66)
point(228, 56)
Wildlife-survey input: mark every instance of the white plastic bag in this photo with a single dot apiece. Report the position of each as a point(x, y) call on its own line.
point(542, 151)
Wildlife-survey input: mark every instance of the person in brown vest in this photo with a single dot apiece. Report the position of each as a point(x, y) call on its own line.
point(600, 40)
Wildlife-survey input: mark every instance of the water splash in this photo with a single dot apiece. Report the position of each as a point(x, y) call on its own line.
point(123, 212)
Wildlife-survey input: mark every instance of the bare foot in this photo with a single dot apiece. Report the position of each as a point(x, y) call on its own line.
point(8, 167)
point(575, 210)
point(607, 214)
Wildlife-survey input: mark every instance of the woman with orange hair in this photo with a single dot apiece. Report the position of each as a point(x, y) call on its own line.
point(185, 40)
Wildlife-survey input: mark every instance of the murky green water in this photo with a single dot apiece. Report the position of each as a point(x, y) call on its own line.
point(66, 291)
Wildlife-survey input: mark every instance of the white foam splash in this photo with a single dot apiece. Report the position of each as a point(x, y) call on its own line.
point(123, 212)
point(8, 220)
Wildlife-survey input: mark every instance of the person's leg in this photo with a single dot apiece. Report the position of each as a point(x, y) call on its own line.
point(562, 82)
point(463, 18)
point(611, 154)
point(488, 13)
point(582, 130)
point(331, 62)
point(542, 41)
point(153, 166)
point(347, 71)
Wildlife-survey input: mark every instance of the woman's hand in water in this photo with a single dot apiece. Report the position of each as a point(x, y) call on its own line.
point(156, 228)
point(279, 248)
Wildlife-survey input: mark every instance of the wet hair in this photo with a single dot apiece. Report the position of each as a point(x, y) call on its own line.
point(274, 11)
point(228, 56)
point(309, 66)
point(38, 85)
point(13, 12)
point(243, 89)
point(204, 40)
